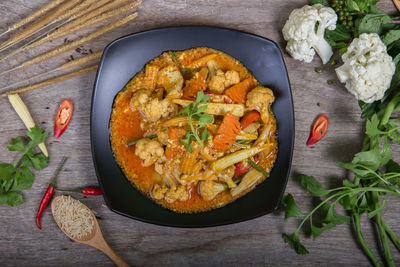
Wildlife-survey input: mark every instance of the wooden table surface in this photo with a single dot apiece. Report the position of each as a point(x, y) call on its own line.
point(254, 242)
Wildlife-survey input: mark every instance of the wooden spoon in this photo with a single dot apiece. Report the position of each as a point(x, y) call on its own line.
point(94, 238)
point(397, 4)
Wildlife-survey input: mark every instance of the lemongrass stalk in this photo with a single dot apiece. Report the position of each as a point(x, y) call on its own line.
point(31, 17)
point(50, 81)
point(82, 23)
point(66, 28)
point(78, 42)
point(40, 24)
point(25, 116)
point(71, 64)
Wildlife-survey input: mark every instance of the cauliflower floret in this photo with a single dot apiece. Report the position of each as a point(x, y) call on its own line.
point(259, 97)
point(226, 176)
point(149, 151)
point(158, 192)
point(220, 80)
point(210, 189)
point(302, 36)
point(367, 69)
point(151, 108)
point(231, 78)
point(171, 79)
point(217, 82)
point(176, 193)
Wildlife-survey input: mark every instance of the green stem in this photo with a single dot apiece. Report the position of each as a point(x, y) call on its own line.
point(382, 232)
point(53, 181)
point(390, 109)
point(195, 132)
point(18, 159)
point(367, 250)
point(391, 234)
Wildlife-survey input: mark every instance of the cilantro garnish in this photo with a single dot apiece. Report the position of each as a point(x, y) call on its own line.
point(18, 176)
point(195, 111)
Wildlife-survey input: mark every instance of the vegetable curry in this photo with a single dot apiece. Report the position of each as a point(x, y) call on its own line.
point(194, 130)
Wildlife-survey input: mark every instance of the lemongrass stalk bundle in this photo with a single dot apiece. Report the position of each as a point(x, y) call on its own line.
point(31, 17)
point(50, 81)
point(40, 24)
point(76, 43)
point(70, 64)
point(82, 16)
point(84, 22)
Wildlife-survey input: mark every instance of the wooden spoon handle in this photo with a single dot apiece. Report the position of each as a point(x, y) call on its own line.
point(105, 248)
point(397, 4)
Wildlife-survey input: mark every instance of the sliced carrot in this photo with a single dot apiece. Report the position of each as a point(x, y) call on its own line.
point(192, 87)
point(249, 118)
point(197, 83)
point(174, 134)
point(227, 132)
point(239, 91)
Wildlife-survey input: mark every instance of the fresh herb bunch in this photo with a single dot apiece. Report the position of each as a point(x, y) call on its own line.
point(195, 111)
point(18, 176)
point(376, 174)
point(376, 179)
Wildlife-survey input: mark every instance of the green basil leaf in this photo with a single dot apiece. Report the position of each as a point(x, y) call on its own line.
point(23, 179)
point(338, 34)
point(16, 144)
point(372, 127)
point(392, 166)
point(205, 135)
point(291, 209)
point(391, 36)
point(14, 198)
point(37, 136)
point(39, 161)
point(313, 186)
point(294, 243)
point(372, 23)
point(3, 198)
point(322, 2)
point(334, 218)
point(6, 171)
point(317, 231)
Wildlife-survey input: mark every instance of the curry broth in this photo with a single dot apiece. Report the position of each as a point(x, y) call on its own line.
point(125, 127)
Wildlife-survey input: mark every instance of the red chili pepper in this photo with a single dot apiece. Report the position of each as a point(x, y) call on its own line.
point(92, 191)
point(242, 167)
point(249, 118)
point(318, 130)
point(63, 117)
point(89, 191)
point(48, 194)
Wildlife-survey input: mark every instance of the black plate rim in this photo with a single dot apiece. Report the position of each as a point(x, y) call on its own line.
point(200, 225)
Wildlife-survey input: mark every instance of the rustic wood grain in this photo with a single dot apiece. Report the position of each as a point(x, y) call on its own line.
point(256, 242)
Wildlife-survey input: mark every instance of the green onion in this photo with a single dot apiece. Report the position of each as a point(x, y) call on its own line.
point(174, 55)
point(243, 141)
point(137, 140)
point(257, 167)
point(189, 69)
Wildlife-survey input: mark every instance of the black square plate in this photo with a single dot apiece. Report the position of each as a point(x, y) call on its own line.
point(124, 57)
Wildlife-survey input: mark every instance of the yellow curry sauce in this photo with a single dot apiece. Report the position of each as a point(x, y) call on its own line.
point(128, 123)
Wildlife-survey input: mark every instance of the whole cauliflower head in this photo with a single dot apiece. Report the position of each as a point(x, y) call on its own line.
point(367, 69)
point(304, 36)
point(149, 151)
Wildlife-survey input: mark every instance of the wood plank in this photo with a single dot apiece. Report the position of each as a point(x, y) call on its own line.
point(255, 242)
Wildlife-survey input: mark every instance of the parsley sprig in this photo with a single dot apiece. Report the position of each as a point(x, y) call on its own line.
point(18, 176)
point(195, 111)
